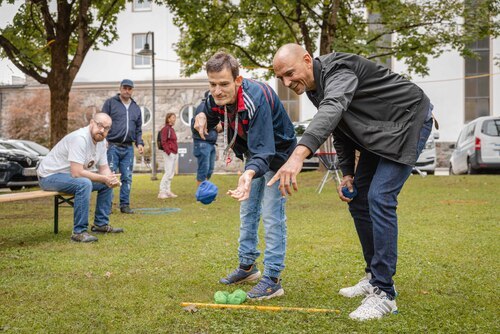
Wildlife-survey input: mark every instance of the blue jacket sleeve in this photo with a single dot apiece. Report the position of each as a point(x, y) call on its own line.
point(138, 129)
point(260, 140)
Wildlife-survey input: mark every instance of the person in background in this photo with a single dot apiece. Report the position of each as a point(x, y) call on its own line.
point(204, 149)
point(125, 131)
point(70, 168)
point(169, 150)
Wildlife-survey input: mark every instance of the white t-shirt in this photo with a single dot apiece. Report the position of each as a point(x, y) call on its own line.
point(75, 147)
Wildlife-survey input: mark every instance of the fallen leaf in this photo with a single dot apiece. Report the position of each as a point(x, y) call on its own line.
point(424, 292)
point(190, 309)
point(88, 274)
point(107, 274)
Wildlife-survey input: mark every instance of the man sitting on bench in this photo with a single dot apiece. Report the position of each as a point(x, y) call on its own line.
point(70, 167)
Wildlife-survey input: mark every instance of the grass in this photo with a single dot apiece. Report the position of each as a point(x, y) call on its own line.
point(134, 283)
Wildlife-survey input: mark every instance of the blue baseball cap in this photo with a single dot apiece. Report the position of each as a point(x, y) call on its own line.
point(206, 192)
point(127, 82)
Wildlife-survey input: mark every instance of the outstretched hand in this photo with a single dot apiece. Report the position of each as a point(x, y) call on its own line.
point(287, 174)
point(242, 192)
point(200, 125)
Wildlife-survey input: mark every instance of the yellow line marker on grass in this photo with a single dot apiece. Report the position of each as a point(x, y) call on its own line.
point(262, 308)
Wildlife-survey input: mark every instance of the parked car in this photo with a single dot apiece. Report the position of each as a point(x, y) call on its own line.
point(426, 161)
point(478, 147)
point(313, 162)
point(25, 145)
point(39, 149)
point(17, 168)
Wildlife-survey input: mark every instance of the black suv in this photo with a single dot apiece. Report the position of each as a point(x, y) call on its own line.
point(17, 168)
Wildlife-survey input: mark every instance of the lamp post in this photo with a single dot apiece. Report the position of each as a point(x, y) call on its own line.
point(146, 51)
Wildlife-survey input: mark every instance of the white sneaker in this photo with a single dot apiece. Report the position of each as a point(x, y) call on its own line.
point(374, 306)
point(163, 195)
point(362, 288)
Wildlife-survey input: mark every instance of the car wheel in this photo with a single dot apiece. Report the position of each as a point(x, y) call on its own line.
point(470, 169)
point(15, 188)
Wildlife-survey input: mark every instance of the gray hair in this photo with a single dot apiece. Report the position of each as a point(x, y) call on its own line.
point(222, 60)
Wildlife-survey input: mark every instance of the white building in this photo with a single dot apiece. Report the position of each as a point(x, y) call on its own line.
point(456, 99)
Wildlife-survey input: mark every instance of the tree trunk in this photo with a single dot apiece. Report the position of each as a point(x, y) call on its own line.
point(59, 101)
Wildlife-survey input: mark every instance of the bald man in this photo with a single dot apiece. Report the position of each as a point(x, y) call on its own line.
point(78, 165)
point(388, 120)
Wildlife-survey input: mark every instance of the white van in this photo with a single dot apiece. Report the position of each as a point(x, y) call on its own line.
point(478, 147)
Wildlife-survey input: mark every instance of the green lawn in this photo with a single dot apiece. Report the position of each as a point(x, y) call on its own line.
point(134, 282)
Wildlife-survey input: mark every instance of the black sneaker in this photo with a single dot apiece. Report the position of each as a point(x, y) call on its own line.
point(83, 237)
point(126, 209)
point(106, 229)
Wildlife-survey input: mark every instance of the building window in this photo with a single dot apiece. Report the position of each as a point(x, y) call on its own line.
point(477, 89)
point(290, 100)
point(146, 116)
point(141, 5)
point(138, 41)
point(186, 114)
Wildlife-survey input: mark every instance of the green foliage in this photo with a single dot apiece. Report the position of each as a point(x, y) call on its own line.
point(134, 282)
point(253, 30)
point(38, 27)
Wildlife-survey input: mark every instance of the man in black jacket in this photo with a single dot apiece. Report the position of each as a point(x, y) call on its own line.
point(388, 120)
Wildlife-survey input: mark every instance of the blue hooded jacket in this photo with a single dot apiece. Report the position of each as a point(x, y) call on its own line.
point(127, 124)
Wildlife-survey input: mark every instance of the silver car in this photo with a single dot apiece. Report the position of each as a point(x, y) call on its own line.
point(478, 147)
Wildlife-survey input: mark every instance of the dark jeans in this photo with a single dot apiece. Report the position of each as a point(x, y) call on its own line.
point(122, 158)
point(379, 182)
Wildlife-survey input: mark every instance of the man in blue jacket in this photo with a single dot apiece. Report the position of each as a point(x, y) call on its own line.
point(204, 149)
point(387, 119)
point(126, 130)
point(257, 127)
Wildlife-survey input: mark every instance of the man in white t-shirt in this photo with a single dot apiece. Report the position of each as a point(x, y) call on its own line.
point(78, 165)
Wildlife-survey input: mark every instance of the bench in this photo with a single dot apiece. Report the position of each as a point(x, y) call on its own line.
point(59, 198)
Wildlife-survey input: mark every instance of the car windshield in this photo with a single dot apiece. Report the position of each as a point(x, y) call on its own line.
point(492, 127)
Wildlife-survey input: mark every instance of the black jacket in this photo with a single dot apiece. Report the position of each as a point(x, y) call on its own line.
point(365, 106)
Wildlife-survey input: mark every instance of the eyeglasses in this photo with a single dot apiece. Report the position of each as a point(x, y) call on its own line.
point(102, 127)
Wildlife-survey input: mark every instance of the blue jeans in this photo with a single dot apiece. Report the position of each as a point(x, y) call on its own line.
point(379, 182)
point(205, 154)
point(268, 202)
point(82, 188)
point(122, 159)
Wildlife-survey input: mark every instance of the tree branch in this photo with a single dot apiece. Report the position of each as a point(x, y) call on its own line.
point(21, 61)
point(47, 19)
point(245, 52)
point(297, 40)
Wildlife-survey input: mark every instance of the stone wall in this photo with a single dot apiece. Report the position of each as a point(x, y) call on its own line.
point(443, 154)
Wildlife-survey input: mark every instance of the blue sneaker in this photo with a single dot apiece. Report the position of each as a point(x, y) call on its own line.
point(266, 289)
point(241, 276)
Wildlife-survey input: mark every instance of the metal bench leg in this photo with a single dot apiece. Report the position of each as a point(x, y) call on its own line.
point(56, 215)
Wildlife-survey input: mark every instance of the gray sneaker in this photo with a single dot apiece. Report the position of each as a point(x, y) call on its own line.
point(83, 237)
point(106, 229)
point(241, 276)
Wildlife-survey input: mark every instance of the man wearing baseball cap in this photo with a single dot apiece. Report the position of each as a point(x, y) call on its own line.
point(126, 130)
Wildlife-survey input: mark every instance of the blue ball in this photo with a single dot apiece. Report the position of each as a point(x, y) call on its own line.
point(206, 192)
point(348, 194)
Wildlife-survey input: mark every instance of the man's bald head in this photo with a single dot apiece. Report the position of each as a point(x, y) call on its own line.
point(99, 127)
point(101, 117)
point(293, 65)
point(288, 51)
